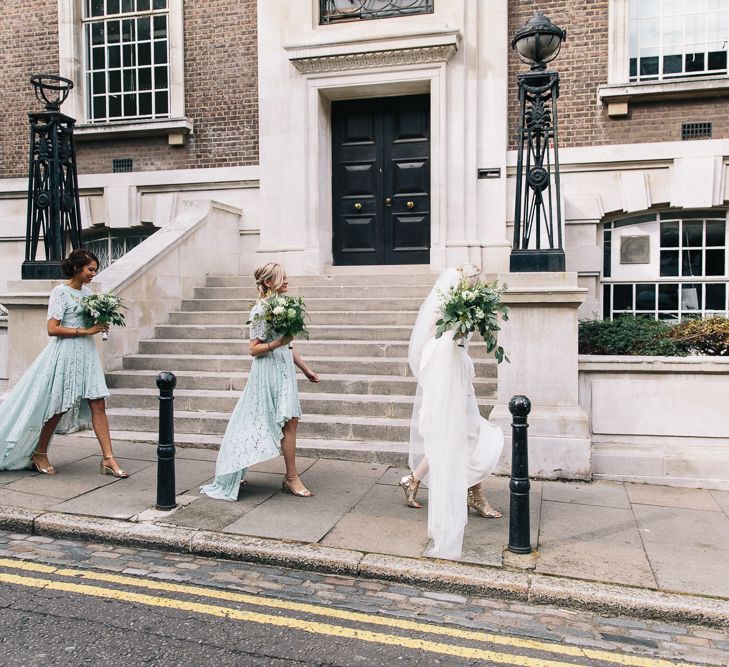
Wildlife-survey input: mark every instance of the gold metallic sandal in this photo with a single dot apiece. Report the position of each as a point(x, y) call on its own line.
point(108, 470)
point(49, 470)
point(481, 506)
point(410, 485)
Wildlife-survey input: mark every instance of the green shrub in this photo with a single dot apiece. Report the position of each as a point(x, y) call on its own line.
point(709, 336)
point(629, 335)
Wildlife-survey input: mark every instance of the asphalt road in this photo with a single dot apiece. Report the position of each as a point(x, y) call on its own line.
point(75, 603)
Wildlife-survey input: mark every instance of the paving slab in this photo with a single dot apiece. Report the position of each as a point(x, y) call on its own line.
point(687, 548)
point(285, 516)
point(668, 496)
point(604, 494)
point(382, 523)
point(722, 499)
point(32, 501)
point(591, 542)
point(277, 465)
point(128, 497)
point(7, 476)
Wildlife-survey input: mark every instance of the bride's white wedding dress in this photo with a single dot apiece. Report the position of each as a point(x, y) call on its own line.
point(461, 447)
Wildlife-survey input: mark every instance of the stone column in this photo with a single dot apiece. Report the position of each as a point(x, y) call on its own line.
point(540, 338)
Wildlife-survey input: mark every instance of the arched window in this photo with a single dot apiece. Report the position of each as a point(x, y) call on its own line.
point(667, 265)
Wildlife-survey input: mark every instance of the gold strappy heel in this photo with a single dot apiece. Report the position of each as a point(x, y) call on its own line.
point(410, 485)
point(50, 470)
point(286, 488)
point(108, 470)
point(481, 506)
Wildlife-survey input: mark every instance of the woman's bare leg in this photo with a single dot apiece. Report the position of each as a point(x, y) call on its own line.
point(100, 422)
point(288, 448)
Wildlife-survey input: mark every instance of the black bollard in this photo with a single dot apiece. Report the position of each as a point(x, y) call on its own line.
point(519, 529)
point(166, 382)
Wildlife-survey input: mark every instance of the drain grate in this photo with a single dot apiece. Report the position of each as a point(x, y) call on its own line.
point(695, 131)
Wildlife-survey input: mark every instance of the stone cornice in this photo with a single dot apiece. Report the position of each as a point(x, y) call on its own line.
point(374, 59)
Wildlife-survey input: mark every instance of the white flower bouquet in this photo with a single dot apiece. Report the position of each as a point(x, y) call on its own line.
point(468, 308)
point(104, 308)
point(286, 315)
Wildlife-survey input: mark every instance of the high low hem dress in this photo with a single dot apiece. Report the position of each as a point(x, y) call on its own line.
point(63, 377)
point(255, 429)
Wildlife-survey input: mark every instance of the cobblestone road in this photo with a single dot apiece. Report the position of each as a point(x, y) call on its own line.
point(150, 594)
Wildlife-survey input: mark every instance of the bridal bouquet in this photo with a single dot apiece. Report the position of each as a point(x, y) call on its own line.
point(468, 308)
point(104, 308)
point(286, 315)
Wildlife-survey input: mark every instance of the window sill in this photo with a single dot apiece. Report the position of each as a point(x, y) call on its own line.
point(176, 130)
point(619, 96)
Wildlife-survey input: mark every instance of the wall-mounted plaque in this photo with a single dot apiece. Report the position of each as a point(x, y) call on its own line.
point(635, 249)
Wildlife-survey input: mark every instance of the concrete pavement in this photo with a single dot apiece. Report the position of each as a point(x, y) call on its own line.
point(649, 550)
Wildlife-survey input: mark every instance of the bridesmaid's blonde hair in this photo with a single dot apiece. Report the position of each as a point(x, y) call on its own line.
point(273, 273)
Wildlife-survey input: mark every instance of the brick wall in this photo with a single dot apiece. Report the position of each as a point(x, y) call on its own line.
point(29, 35)
point(221, 89)
point(583, 66)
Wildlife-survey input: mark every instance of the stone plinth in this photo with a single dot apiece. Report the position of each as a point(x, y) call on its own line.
point(540, 338)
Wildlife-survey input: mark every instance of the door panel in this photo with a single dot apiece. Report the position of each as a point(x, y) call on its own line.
point(381, 181)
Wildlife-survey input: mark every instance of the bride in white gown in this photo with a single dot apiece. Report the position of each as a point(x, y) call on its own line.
point(452, 448)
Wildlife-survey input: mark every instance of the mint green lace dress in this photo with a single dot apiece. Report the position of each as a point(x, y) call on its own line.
point(61, 379)
point(255, 429)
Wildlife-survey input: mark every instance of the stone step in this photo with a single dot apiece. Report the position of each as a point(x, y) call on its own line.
point(338, 427)
point(330, 383)
point(316, 331)
point(353, 280)
point(348, 318)
point(353, 304)
point(308, 348)
point(388, 453)
point(485, 368)
point(347, 292)
point(203, 401)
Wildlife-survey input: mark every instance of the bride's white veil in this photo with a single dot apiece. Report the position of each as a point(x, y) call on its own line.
point(460, 447)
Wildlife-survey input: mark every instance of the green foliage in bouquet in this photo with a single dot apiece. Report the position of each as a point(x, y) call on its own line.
point(467, 308)
point(286, 315)
point(104, 308)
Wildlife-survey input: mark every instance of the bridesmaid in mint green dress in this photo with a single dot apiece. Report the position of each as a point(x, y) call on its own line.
point(264, 421)
point(64, 387)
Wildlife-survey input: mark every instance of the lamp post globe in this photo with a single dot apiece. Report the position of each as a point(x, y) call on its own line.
point(538, 41)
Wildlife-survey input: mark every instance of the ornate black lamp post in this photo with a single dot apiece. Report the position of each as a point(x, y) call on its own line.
point(538, 218)
point(53, 205)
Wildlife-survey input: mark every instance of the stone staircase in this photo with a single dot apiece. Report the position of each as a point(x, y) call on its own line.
point(360, 327)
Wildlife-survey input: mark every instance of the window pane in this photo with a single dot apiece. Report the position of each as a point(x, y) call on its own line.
point(99, 83)
point(127, 6)
point(130, 81)
point(144, 53)
point(112, 6)
point(159, 4)
point(668, 297)
point(98, 108)
point(715, 262)
point(161, 103)
point(160, 27)
point(716, 60)
point(669, 262)
point(649, 66)
point(143, 29)
point(715, 233)
point(115, 82)
point(97, 7)
point(672, 64)
point(115, 106)
point(128, 55)
point(622, 297)
point(145, 104)
point(145, 78)
point(606, 309)
point(607, 253)
point(716, 296)
point(673, 317)
point(160, 77)
point(128, 30)
point(97, 33)
point(142, 5)
point(645, 297)
point(113, 31)
point(669, 234)
point(695, 62)
point(98, 58)
point(114, 56)
point(691, 296)
point(691, 264)
point(160, 53)
point(693, 234)
point(130, 105)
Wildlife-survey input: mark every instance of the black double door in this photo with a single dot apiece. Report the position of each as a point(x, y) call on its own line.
point(381, 180)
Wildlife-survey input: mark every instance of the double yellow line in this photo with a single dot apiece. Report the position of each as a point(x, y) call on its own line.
point(315, 627)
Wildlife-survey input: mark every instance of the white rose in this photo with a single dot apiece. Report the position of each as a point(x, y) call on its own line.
point(291, 312)
point(278, 310)
point(480, 314)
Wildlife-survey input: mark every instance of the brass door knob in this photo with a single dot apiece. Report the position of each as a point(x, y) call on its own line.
point(357, 206)
point(410, 204)
point(388, 201)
